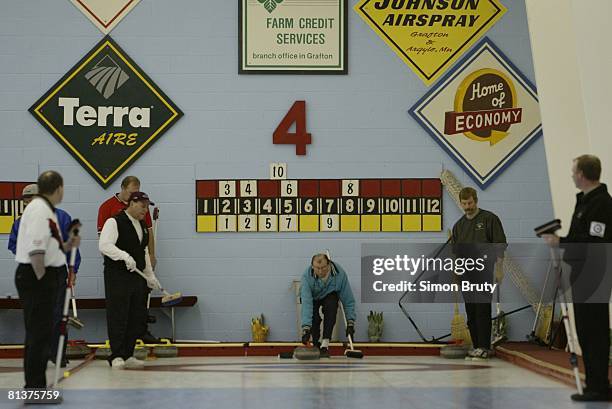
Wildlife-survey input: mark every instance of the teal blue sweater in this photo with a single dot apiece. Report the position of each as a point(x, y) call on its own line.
point(313, 288)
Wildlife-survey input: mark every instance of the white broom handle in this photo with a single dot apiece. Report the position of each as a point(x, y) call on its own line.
point(72, 263)
point(346, 324)
point(498, 306)
point(60, 345)
point(155, 230)
point(566, 317)
point(73, 256)
point(535, 323)
point(155, 222)
point(73, 300)
point(571, 342)
point(145, 277)
point(341, 307)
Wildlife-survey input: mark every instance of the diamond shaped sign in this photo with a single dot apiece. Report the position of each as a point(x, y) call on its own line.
point(105, 14)
point(430, 35)
point(106, 111)
point(484, 113)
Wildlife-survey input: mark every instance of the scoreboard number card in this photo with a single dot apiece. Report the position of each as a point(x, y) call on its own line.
point(11, 204)
point(278, 171)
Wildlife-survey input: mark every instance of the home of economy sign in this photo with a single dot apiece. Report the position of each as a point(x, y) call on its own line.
point(106, 111)
point(484, 113)
point(430, 35)
point(292, 37)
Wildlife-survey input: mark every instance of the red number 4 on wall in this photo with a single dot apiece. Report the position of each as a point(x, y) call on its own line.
point(300, 138)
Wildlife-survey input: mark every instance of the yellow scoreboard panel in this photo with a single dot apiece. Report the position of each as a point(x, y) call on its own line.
point(319, 205)
point(11, 205)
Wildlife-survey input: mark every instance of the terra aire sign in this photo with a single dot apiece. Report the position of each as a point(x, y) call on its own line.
point(106, 111)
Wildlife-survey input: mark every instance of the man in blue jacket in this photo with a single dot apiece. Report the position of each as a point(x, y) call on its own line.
point(323, 284)
point(64, 220)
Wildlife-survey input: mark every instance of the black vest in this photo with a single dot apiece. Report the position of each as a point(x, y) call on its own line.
point(128, 242)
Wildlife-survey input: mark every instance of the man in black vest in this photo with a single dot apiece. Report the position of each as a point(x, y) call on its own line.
point(123, 242)
point(586, 247)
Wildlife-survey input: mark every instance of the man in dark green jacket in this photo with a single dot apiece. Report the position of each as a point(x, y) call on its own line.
point(479, 233)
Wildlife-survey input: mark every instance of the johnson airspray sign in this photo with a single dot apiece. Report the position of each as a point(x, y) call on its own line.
point(106, 111)
point(430, 35)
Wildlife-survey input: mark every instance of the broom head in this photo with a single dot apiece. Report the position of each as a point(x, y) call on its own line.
point(459, 330)
point(169, 300)
point(353, 353)
point(75, 322)
point(543, 326)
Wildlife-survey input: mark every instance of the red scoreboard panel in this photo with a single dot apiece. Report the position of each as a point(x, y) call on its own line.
point(319, 205)
point(11, 205)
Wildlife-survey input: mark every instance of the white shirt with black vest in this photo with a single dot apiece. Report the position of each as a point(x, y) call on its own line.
point(108, 240)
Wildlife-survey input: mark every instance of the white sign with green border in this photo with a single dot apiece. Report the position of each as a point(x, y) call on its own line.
point(292, 37)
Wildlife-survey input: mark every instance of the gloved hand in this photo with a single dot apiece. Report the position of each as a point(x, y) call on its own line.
point(499, 270)
point(71, 279)
point(153, 283)
point(130, 263)
point(350, 329)
point(551, 239)
point(305, 335)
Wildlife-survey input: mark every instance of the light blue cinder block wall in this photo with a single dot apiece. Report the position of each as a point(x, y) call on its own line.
point(360, 129)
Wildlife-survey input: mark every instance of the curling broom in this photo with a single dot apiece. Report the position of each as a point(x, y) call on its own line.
point(155, 222)
point(351, 352)
point(63, 332)
point(459, 329)
point(500, 325)
point(168, 300)
point(74, 321)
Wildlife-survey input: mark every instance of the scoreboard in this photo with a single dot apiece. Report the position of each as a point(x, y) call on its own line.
point(11, 206)
point(319, 205)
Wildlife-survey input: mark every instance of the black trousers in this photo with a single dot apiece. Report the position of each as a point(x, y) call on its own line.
point(58, 315)
point(592, 326)
point(478, 307)
point(126, 310)
point(330, 308)
point(479, 323)
point(38, 300)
